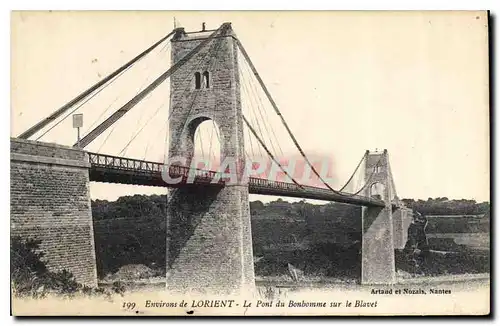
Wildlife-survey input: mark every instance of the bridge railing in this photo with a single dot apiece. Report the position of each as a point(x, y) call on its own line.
point(140, 166)
point(199, 176)
point(264, 186)
point(124, 163)
point(176, 171)
point(273, 184)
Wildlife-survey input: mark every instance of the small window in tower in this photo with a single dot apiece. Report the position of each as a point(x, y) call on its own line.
point(206, 79)
point(197, 80)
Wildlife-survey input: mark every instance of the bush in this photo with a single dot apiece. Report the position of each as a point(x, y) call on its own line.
point(31, 277)
point(28, 273)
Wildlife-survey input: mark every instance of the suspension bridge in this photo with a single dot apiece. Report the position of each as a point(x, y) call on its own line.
point(209, 244)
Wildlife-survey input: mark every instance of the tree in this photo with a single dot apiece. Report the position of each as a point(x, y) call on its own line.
point(256, 206)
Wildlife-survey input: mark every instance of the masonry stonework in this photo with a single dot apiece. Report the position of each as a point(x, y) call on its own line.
point(50, 201)
point(377, 256)
point(209, 242)
point(401, 219)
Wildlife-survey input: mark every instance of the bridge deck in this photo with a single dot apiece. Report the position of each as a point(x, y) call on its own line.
point(114, 169)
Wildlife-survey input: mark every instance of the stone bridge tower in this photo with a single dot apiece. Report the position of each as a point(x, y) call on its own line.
point(209, 244)
point(384, 229)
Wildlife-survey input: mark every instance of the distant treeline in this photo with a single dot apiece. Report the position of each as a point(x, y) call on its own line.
point(444, 206)
point(131, 230)
point(154, 205)
point(129, 206)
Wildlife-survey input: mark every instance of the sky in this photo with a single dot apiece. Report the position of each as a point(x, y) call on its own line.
point(414, 83)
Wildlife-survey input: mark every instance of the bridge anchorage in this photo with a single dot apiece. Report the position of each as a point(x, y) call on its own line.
point(209, 241)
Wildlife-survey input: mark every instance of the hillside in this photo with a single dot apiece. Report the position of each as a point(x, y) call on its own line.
point(132, 230)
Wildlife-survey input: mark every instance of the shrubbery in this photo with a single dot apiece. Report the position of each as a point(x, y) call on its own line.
point(30, 276)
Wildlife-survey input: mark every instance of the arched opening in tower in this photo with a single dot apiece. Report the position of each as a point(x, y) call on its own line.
point(206, 79)
point(207, 145)
point(377, 190)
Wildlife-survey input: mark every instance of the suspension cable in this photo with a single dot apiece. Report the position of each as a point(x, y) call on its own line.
point(124, 150)
point(218, 46)
point(269, 153)
point(253, 117)
point(254, 70)
point(214, 126)
point(389, 171)
point(155, 137)
point(262, 111)
point(256, 121)
point(156, 112)
point(355, 170)
point(31, 131)
point(79, 106)
point(134, 101)
point(146, 81)
point(369, 178)
point(168, 118)
point(188, 88)
point(163, 48)
point(91, 97)
point(256, 118)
